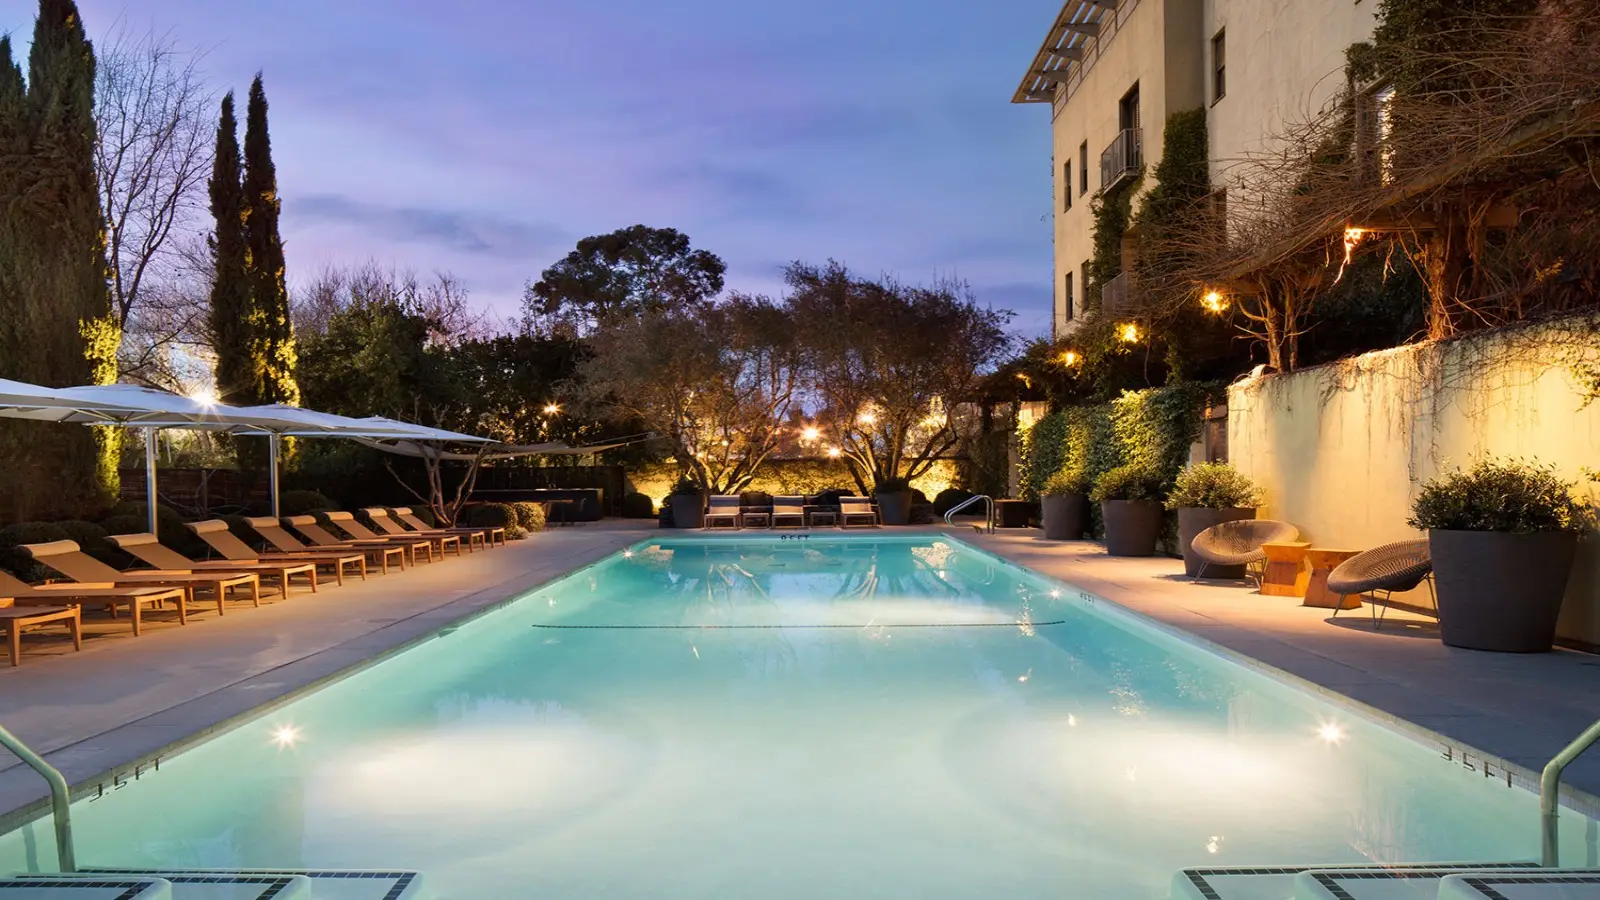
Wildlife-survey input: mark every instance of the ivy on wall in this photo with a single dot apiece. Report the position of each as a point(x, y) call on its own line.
point(1112, 214)
point(1153, 428)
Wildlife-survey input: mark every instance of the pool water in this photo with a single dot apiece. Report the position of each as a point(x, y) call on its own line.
point(850, 717)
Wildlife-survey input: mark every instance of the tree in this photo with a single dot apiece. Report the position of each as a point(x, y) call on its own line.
point(717, 382)
point(231, 313)
point(272, 327)
point(890, 366)
point(631, 271)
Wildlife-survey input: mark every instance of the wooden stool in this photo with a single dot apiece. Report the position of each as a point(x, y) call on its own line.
point(1285, 575)
point(16, 618)
point(1323, 561)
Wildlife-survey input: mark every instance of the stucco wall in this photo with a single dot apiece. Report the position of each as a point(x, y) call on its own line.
point(1342, 449)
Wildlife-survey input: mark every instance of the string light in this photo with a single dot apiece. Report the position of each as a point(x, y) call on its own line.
point(1352, 240)
point(811, 434)
point(1214, 302)
point(551, 409)
point(1129, 333)
point(834, 452)
point(1070, 358)
point(867, 418)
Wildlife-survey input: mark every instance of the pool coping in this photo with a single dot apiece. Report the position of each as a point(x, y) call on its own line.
point(1516, 774)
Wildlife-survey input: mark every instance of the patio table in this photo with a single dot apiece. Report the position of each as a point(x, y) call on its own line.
point(1285, 575)
point(1323, 561)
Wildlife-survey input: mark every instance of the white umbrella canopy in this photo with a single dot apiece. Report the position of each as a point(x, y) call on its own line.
point(408, 431)
point(19, 400)
point(299, 422)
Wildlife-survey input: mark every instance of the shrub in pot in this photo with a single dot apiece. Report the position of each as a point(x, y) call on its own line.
point(894, 500)
point(1502, 536)
point(1130, 504)
point(1208, 494)
point(1064, 500)
point(688, 505)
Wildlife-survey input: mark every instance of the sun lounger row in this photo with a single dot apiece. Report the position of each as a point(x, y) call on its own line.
point(298, 556)
point(728, 510)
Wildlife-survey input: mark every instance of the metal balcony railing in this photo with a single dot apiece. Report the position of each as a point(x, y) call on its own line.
point(1122, 159)
point(1114, 296)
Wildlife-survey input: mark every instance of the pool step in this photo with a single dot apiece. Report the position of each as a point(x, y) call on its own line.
point(1369, 882)
point(222, 884)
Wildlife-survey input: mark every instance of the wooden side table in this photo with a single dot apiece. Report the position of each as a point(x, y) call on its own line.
point(1323, 561)
point(1285, 575)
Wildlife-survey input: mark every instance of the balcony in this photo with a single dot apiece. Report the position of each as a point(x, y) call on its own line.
point(1121, 161)
point(1114, 296)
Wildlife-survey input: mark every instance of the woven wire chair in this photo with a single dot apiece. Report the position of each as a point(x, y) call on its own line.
point(1400, 566)
point(1239, 544)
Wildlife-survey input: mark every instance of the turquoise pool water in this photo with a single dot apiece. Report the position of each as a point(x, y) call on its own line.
point(852, 717)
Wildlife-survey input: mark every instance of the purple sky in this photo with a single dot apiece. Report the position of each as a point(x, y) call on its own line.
point(485, 138)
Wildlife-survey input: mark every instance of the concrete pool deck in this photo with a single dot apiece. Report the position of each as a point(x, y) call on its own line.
point(99, 714)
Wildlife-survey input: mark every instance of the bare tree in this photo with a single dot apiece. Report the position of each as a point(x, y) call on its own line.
point(443, 301)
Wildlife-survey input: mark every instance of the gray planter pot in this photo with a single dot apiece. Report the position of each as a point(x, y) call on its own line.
point(1191, 521)
point(1500, 591)
point(1132, 526)
point(688, 510)
point(1066, 516)
point(895, 508)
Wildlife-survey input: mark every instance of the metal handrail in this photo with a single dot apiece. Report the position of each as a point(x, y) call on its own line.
point(949, 517)
point(1550, 793)
point(60, 798)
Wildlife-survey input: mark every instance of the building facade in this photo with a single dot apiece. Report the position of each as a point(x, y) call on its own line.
point(1113, 71)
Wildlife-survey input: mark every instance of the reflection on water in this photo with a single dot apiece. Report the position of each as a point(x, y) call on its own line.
point(869, 717)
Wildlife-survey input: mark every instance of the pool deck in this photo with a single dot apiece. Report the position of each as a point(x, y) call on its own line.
point(103, 714)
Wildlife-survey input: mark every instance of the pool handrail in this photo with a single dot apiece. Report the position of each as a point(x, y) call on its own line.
point(949, 517)
point(1550, 794)
point(60, 798)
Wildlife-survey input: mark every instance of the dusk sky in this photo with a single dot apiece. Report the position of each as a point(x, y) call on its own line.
point(484, 138)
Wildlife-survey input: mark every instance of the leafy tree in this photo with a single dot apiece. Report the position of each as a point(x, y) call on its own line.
point(889, 365)
point(631, 271)
point(273, 329)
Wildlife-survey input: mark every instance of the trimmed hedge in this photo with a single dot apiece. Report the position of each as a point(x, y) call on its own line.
point(19, 563)
point(303, 503)
point(637, 506)
point(495, 515)
point(169, 526)
point(530, 515)
point(949, 499)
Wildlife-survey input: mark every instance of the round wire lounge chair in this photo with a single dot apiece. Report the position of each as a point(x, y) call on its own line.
point(1239, 544)
point(1394, 567)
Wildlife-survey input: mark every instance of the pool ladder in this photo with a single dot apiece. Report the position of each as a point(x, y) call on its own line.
point(988, 522)
point(1550, 794)
point(60, 798)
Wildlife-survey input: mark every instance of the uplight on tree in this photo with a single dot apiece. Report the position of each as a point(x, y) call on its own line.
point(1215, 302)
point(1129, 333)
point(1069, 358)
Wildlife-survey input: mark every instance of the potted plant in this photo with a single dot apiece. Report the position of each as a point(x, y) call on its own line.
point(1130, 502)
point(1502, 537)
point(688, 505)
point(1208, 494)
point(894, 500)
point(1065, 505)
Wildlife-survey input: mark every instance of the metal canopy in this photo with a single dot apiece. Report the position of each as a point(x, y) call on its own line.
point(1061, 58)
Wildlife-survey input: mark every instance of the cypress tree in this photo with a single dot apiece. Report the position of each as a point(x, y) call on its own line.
point(230, 286)
point(274, 331)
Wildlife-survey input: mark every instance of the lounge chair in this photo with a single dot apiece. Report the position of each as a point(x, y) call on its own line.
point(491, 533)
point(221, 538)
point(857, 510)
point(15, 618)
point(105, 596)
point(1394, 567)
point(322, 537)
point(361, 534)
point(1239, 544)
point(790, 511)
point(725, 508)
point(149, 548)
point(69, 559)
point(392, 529)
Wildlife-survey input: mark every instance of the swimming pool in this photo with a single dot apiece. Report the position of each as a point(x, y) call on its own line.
point(865, 716)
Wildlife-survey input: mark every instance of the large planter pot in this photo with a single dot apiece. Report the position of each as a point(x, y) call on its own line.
point(894, 508)
point(688, 510)
point(1500, 591)
point(1191, 521)
point(1066, 516)
point(1132, 526)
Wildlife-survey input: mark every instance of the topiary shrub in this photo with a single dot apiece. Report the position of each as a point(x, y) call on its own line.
point(1130, 482)
point(303, 503)
point(123, 524)
point(1503, 495)
point(239, 527)
point(19, 563)
point(1065, 482)
point(949, 499)
point(92, 538)
point(530, 516)
point(169, 526)
point(637, 506)
point(921, 514)
point(495, 515)
point(1213, 485)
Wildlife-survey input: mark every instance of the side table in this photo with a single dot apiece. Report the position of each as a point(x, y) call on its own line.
point(1285, 575)
point(1323, 561)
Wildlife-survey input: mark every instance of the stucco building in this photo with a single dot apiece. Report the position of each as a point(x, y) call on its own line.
point(1112, 71)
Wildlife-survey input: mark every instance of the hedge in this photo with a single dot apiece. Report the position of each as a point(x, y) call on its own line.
point(19, 563)
point(637, 506)
point(530, 516)
point(495, 515)
point(1153, 428)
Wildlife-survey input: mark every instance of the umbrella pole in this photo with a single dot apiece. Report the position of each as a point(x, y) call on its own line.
point(272, 444)
point(151, 498)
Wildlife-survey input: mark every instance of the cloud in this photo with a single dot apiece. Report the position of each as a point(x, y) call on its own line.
point(471, 232)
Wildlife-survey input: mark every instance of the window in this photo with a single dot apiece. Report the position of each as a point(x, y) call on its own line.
point(1219, 66)
point(1067, 298)
point(1128, 110)
point(1083, 168)
point(1066, 186)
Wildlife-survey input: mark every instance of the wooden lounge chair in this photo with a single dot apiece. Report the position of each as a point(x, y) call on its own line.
point(106, 596)
point(1383, 570)
point(149, 548)
point(724, 508)
point(15, 618)
point(69, 559)
point(491, 533)
point(391, 529)
point(857, 511)
point(361, 534)
point(216, 533)
point(1239, 544)
point(322, 537)
point(789, 511)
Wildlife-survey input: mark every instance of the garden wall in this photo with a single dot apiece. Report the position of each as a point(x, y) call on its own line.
point(1342, 449)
